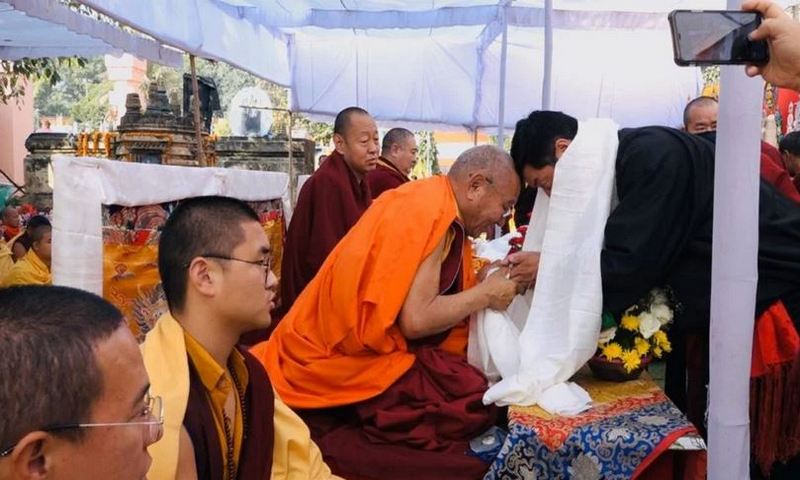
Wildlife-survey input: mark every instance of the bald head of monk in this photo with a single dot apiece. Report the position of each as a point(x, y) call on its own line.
point(486, 187)
point(11, 217)
point(700, 115)
point(355, 136)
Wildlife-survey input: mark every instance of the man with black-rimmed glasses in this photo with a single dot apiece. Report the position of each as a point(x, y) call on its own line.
point(224, 421)
point(74, 393)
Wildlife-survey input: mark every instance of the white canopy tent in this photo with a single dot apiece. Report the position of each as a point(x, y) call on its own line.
point(439, 62)
point(450, 62)
point(46, 28)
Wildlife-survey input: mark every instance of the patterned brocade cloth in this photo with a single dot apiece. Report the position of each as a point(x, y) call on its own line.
point(628, 428)
point(130, 256)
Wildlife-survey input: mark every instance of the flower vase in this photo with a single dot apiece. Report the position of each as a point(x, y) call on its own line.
point(614, 371)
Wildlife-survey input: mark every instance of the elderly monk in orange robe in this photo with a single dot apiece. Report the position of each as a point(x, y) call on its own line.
point(372, 355)
point(398, 156)
point(330, 202)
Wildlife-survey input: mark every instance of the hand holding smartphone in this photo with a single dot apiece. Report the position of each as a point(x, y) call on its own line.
point(716, 37)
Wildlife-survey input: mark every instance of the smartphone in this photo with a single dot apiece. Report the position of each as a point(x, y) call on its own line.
point(716, 37)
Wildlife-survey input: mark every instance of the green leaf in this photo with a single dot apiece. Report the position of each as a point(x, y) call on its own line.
point(608, 321)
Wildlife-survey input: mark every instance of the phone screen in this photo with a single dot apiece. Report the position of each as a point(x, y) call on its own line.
point(716, 37)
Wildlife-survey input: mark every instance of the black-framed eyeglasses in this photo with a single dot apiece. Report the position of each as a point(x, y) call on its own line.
point(265, 263)
point(154, 409)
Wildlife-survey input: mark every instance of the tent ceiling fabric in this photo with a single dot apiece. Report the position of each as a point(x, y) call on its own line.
point(43, 28)
point(438, 61)
point(211, 29)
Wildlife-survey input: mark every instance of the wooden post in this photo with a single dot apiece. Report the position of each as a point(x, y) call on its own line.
point(201, 154)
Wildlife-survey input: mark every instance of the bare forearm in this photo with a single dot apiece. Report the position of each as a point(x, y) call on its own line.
point(443, 312)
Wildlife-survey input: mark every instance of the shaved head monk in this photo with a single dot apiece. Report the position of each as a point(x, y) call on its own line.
point(398, 156)
point(11, 223)
point(224, 420)
point(372, 355)
point(330, 202)
point(34, 267)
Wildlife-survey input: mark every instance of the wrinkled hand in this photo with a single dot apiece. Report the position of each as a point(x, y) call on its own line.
point(782, 34)
point(484, 271)
point(523, 267)
point(500, 289)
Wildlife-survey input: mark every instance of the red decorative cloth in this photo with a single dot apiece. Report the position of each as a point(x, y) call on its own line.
point(775, 173)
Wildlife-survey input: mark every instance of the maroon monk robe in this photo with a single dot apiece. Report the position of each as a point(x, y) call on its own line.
point(255, 457)
point(421, 426)
point(386, 176)
point(774, 171)
point(330, 202)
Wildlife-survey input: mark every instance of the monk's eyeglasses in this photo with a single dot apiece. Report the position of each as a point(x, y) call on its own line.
point(265, 263)
point(154, 410)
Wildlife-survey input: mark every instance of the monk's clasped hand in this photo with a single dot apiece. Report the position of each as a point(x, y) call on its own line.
point(501, 290)
point(522, 267)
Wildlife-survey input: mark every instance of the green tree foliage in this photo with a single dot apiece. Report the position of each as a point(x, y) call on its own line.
point(710, 74)
point(321, 132)
point(427, 157)
point(80, 92)
point(506, 141)
point(229, 81)
point(13, 75)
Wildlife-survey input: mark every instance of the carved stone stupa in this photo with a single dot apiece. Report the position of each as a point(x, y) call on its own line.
point(157, 135)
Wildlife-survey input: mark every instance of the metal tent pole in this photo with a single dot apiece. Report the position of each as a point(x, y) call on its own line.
point(501, 108)
point(548, 54)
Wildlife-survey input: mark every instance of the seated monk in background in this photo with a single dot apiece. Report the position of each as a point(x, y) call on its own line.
point(21, 243)
point(34, 267)
point(372, 355)
point(700, 118)
point(11, 223)
point(224, 421)
point(398, 157)
point(330, 202)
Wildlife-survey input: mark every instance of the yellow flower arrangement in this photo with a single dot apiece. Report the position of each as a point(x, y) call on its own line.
point(642, 346)
point(639, 334)
point(661, 341)
point(631, 359)
point(612, 351)
point(630, 322)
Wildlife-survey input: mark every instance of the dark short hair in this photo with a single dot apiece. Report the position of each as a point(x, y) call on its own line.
point(198, 226)
point(394, 137)
point(50, 374)
point(38, 221)
point(790, 143)
point(703, 101)
point(343, 119)
point(535, 137)
point(37, 227)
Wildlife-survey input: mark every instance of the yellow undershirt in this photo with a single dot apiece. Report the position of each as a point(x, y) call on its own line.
point(218, 385)
point(6, 259)
point(29, 270)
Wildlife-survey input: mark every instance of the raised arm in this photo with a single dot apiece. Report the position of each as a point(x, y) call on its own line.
point(783, 35)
